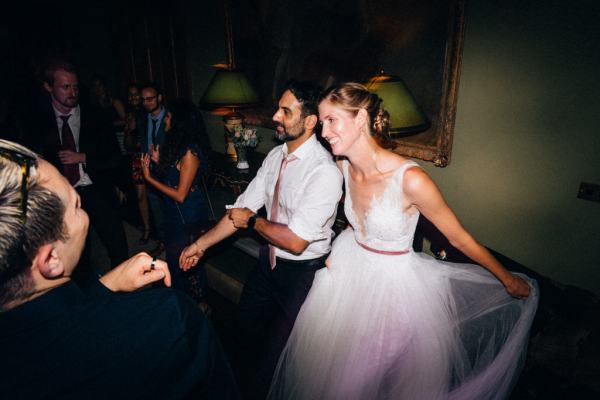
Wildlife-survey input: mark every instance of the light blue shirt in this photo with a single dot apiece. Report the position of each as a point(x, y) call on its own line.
point(159, 118)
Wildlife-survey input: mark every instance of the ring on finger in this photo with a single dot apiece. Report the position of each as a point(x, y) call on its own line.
point(153, 264)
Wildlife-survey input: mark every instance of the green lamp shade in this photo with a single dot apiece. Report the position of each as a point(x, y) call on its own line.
point(405, 115)
point(229, 89)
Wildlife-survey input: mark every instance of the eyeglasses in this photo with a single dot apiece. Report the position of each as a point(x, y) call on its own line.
point(150, 98)
point(25, 162)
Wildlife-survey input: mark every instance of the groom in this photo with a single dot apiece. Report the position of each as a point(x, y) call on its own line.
point(299, 185)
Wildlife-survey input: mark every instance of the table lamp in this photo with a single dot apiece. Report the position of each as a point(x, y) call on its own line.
point(406, 117)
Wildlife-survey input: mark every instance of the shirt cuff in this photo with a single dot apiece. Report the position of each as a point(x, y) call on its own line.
point(239, 203)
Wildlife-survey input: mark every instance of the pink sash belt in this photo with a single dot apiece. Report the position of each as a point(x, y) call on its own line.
point(385, 252)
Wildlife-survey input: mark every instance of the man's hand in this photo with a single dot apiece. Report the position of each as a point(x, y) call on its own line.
point(71, 157)
point(240, 217)
point(190, 256)
point(136, 273)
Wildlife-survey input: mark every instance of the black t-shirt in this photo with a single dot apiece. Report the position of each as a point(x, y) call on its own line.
point(71, 343)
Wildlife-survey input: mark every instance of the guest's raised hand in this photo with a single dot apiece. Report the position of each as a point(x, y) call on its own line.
point(190, 256)
point(145, 161)
point(135, 273)
point(517, 287)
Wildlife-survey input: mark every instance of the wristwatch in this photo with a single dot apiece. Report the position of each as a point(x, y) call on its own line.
point(251, 221)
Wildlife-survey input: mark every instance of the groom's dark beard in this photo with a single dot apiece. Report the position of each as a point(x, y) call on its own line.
point(286, 136)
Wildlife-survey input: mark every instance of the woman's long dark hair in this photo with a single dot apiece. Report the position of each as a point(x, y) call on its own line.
point(186, 128)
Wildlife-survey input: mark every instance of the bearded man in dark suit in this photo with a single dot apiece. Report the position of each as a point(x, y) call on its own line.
point(78, 144)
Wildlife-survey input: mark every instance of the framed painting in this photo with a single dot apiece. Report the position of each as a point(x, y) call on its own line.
point(333, 41)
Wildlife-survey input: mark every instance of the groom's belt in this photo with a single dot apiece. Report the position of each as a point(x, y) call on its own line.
point(307, 261)
point(264, 251)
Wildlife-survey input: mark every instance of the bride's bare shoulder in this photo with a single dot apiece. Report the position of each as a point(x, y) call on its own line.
point(414, 178)
point(391, 161)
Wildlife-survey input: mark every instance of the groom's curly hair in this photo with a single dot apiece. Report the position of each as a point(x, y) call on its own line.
point(307, 93)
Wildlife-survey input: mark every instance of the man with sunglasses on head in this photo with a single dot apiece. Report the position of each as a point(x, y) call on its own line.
point(74, 140)
point(62, 340)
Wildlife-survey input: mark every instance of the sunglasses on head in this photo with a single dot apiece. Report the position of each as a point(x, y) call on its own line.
point(25, 162)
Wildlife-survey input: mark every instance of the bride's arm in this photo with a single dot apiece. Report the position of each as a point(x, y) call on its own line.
point(423, 193)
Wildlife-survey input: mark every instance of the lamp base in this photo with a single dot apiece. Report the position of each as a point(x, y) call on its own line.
point(231, 121)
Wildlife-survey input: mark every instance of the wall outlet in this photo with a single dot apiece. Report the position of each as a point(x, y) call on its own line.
point(589, 191)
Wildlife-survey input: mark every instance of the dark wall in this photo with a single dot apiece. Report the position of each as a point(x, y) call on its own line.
point(123, 41)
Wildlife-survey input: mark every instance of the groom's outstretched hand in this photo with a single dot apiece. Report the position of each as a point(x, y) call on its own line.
point(190, 256)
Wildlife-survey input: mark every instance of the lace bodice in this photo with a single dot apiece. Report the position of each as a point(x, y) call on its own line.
point(385, 225)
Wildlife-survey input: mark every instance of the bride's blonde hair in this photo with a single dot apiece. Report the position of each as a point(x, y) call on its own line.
point(353, 97)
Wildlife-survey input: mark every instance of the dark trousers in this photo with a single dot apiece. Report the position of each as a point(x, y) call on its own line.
point(155, 203)
point(107, 223)
point(268, 308)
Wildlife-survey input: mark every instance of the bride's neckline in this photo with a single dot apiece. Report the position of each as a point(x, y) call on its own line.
point(360, 219)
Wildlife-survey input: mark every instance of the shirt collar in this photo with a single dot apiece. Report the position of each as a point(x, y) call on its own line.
point(159, 117)
point(304, 150)
point(74, 112)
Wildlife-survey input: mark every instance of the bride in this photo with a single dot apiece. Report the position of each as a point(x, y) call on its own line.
point(383, 322)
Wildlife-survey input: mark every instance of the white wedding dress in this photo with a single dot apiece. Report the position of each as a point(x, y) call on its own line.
point(381, 326)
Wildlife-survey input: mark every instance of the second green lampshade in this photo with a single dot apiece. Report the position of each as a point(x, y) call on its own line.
point(406, 116)
point(229, 89)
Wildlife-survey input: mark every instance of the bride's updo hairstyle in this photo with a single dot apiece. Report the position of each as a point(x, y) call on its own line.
point(353, 97)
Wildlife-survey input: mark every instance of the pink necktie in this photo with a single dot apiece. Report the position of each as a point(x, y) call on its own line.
point(275, 206)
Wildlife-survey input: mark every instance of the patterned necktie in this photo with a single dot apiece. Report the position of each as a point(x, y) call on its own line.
point(70, 171)
point(275, 205)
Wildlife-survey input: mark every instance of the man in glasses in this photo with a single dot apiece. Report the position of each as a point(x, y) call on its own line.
point(58, 339)
point(152, 136)
point(74, 140)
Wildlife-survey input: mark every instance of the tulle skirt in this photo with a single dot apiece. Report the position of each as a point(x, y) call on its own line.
point(404, 327)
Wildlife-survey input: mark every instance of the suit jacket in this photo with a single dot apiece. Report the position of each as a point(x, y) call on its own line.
point(96, 139)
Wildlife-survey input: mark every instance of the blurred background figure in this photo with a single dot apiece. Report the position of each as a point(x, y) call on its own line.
point(134, 120)
point(111, 111)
